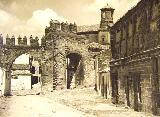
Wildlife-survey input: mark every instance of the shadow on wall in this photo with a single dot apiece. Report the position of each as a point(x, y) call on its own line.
point(75, 70)
point(80, 73)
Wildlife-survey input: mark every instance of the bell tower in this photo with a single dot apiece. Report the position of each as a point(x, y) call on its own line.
point(105, 24)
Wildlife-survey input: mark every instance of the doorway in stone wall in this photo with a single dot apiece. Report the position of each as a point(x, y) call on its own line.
point(114, 80)
point(127, 90)
point(155, 85)
point(102, 87)
point(137, 91)
point(73, 66)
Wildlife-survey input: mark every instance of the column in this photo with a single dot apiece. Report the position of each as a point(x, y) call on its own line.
point(7, 87)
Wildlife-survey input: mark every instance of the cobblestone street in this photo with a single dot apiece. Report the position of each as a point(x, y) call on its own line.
point(68, 103)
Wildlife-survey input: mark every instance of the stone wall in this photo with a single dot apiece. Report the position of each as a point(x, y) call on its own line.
point(92, 36)
point(127, 73)
point(59, 44)
point(135, 62)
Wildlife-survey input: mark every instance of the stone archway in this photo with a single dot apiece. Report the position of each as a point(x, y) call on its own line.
point(10, 53)
point(74, 70)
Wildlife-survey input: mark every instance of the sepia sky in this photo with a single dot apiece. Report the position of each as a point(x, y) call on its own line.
point(29, 17)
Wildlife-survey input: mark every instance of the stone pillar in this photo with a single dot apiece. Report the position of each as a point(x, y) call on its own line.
point(109, 87)
point(97, 74)
point(89, 74)
point(59, 70)
point(47, 75)
point(155, 84)
point(7, 88)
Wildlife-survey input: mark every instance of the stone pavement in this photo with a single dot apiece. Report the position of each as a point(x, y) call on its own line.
point(35, 106)
point(88, 101)
point(64, 103)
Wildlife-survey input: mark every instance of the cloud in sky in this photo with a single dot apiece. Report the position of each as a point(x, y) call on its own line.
point(30, 17)
point(39, 15)
point(35, 25)
point(41, 18)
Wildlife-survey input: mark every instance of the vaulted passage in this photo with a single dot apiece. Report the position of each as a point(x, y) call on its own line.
point(74, 70)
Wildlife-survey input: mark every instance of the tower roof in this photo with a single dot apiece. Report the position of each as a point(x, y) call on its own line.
point(107, 7)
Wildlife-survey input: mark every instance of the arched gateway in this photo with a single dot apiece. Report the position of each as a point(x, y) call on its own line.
point(66, 58)
point(9, 51)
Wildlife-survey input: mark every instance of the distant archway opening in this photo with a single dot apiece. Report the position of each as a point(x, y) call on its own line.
point(75, 70)
point(25, 73)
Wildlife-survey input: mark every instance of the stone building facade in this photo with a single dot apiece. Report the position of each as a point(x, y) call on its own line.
point(135, 67)
point(9, 51)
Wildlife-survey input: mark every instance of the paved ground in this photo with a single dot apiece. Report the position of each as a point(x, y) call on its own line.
point(88, 101)
point(35, 106)
point(65, 103)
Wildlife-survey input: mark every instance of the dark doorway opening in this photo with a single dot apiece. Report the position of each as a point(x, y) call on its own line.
point(73, 63)
point(137, 92)
point(34, 80)
point(127, 90)
point(133, 91)
point(102, 86)
point(114, 80)
point(155, 86)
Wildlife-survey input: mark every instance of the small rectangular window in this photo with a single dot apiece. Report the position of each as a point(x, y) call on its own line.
point(103, 39)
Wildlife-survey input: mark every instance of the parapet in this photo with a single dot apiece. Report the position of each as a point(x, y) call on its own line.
point(11, 41)
point(34, 41)
point(73, 28)
point(22, 41)
point(64, 27)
